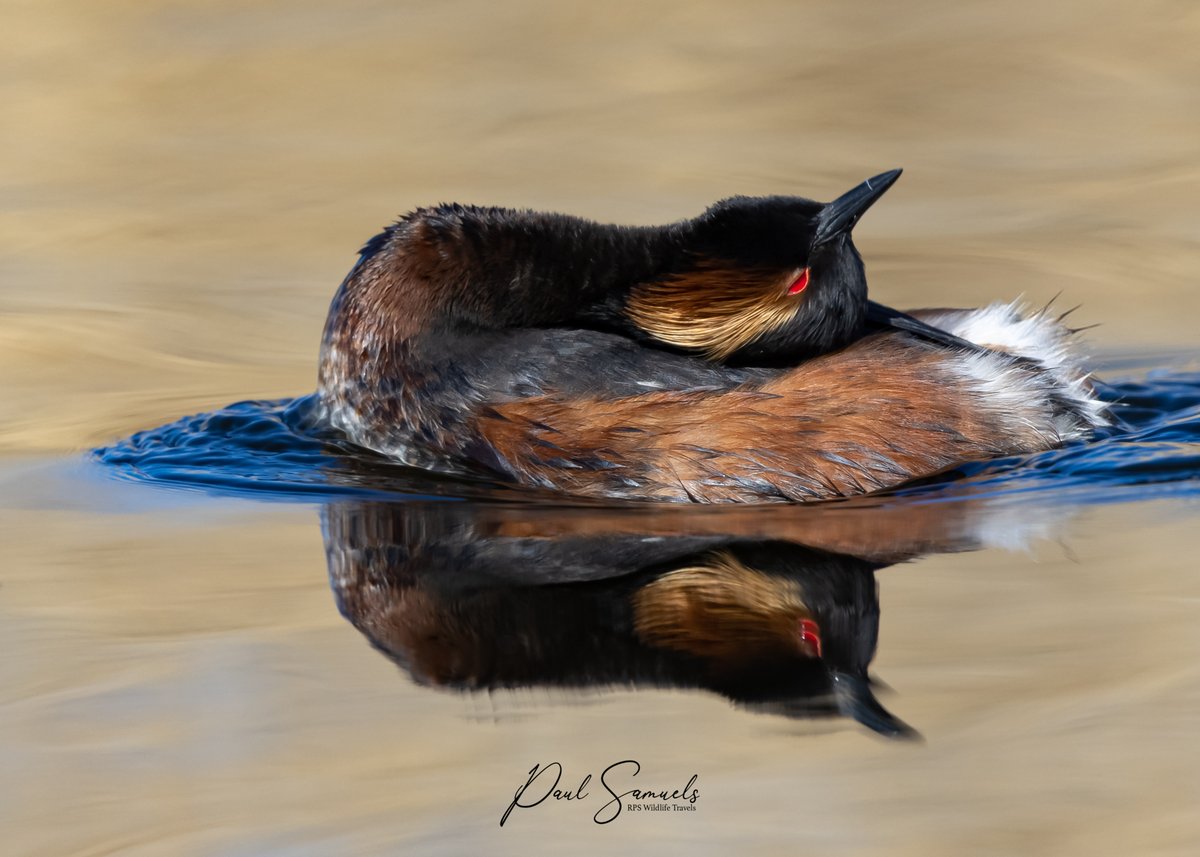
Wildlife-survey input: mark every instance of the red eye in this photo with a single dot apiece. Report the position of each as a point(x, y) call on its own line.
point(801, 283)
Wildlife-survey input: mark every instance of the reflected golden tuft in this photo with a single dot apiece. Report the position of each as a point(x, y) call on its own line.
point(722, 610)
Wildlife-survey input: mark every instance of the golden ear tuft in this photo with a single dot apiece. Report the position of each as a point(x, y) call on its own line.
point(715, 308)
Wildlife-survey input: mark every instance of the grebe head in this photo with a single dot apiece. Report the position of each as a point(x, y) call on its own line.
point(770, 278)
point(761, 281)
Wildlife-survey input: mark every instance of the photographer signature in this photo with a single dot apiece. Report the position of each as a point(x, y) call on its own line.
point(543, 784)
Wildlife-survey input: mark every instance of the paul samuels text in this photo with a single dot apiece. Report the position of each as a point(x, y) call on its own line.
point(543, 784)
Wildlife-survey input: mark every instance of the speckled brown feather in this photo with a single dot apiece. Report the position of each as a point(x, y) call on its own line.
point(869, 417)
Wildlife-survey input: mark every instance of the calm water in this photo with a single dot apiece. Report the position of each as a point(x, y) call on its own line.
point(225, 636)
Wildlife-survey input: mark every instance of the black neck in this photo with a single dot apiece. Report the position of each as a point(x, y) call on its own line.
point(503, 268)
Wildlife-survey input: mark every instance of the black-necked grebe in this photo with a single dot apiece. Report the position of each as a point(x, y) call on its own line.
point(731, 357)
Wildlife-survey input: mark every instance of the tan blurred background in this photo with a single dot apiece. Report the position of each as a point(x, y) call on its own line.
point(185, 183)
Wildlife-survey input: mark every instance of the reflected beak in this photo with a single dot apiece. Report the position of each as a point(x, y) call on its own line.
point(839, 216)
point(855, 700)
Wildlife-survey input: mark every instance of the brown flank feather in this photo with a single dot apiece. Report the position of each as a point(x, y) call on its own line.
point(868, 417)
point(715, 308)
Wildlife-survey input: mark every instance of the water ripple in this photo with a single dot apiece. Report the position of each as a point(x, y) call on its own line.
point(279, 449)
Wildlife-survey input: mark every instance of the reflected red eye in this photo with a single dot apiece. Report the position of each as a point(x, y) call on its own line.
point(811, 635)
point(801, 283)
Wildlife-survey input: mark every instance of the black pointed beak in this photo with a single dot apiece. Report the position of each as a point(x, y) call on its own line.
point(856, 700)
point(839, 216)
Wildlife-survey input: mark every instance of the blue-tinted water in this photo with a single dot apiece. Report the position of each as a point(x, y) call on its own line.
point(279, 450)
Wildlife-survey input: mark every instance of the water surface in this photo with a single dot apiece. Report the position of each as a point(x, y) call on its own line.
point(183, 186)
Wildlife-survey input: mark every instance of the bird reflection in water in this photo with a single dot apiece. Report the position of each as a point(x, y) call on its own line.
point(775, 609)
